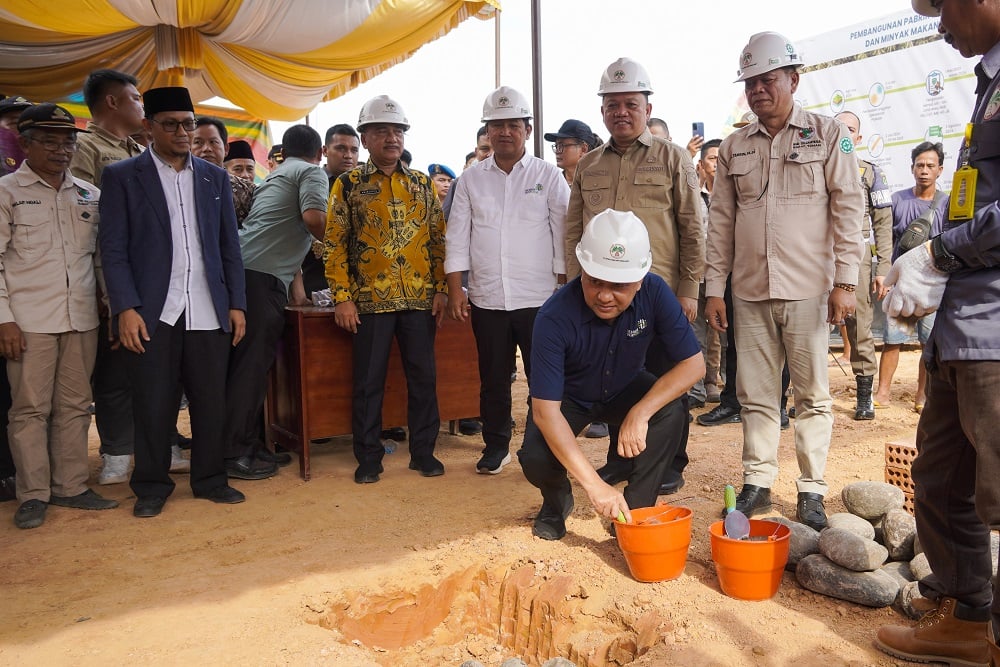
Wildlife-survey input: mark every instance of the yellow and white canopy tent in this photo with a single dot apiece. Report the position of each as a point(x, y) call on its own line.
point(277, 59)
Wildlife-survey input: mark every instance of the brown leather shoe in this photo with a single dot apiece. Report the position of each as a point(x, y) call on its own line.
point(947, 634)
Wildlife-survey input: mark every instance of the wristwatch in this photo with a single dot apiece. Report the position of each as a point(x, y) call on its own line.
point(944, 260)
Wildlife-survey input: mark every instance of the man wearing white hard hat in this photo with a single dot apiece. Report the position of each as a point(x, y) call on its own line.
point(957, 275)
point(785, 222)
point(385, 266)
point(588, 360)
point(656, 180)
point(506, 229)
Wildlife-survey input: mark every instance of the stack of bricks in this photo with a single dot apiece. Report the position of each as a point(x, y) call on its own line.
point(899, 456)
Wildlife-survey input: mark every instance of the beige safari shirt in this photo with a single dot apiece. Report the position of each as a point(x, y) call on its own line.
point(97, 150)
point(655, 180)
point(47, 243)
point(786, 213)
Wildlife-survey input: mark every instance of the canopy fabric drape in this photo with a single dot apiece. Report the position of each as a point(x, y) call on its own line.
point(275, 58)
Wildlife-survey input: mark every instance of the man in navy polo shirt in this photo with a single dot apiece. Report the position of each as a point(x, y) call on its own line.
point(588, 354)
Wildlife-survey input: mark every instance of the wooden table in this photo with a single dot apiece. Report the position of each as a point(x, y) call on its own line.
point(309, 391)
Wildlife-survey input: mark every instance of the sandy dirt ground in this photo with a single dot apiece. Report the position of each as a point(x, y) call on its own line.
point(415, 571)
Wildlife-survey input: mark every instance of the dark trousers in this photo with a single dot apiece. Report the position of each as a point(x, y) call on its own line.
point(498, 335)
point(727, 397)
point(414, 333)
point(6, 460)
point(197, 360)
point(112, 397)
point(250, 362)
point(658, 364)
point(663, 438)
point(956, 495)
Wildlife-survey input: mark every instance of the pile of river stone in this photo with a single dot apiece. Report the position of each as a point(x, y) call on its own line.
point(868, 555)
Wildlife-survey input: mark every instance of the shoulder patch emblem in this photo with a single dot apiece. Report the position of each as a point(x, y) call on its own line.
point(846, 146)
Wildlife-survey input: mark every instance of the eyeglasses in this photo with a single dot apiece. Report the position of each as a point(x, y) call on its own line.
point(560, 147)
point(53, 146)
point(170, 126)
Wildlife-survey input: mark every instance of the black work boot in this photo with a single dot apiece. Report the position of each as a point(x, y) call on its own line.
point(864, 409)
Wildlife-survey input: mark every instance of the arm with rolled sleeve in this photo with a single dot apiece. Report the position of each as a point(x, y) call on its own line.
point(690, 231)
point(847, 208)
point(558, 201)
point(720, 249)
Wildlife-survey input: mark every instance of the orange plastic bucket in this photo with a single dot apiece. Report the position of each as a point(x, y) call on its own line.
point(750, 569)
point(657, 550)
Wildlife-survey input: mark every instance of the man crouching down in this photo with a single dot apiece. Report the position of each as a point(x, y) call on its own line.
point(590, 343)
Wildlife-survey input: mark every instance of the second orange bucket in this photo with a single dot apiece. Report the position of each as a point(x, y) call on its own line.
point(750, 569)
point(655, 543)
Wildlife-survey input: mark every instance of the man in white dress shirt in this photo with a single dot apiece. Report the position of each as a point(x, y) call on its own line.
point(506, 230)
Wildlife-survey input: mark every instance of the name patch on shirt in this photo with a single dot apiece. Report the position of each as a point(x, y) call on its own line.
point(535, 190)
point(640, 326)
point(810, 143)
point(596, 172)
point(653, 168)
point(371, 191)
point(750, 152)
point(33, 202)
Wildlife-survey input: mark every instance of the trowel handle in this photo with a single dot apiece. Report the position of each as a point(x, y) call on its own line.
point(730, 498)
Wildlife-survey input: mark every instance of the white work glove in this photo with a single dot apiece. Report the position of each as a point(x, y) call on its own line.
point(915, 285)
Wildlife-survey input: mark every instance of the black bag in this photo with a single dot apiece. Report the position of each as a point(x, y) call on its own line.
point(918, 231)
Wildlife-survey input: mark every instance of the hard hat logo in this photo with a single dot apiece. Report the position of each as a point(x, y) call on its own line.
point(615, 247)
point(503, 102)
point(619, 75)
point(747, 59)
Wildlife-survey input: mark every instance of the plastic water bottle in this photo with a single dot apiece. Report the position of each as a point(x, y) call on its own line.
point(389, 446)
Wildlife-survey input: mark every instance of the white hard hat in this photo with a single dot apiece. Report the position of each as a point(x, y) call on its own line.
point(925, 8)
point(615, 247)
point(625, 76)
point(764, 52)
point(505, 103)
point(382, 109)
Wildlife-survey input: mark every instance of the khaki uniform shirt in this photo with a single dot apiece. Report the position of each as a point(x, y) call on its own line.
point(655, 180)
point(97, 150)
point(47, 243)
point(786, 213)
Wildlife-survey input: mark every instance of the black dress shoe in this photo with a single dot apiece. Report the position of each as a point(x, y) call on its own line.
point(753, 500)
point(148, 506)
point(246, 467)
point(281, 459)
point(428, 466)
point(550, 524)
point(614, 472)
point(720, 414)
point(368, 473)
point(673, 484)
point(397, 433)
point(470, 426)
point(810, 510)
point(7, 488)
point(225, 494)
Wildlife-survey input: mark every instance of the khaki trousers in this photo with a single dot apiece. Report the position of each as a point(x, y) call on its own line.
point(859, 327)
point(768, 333)
point(49, 418)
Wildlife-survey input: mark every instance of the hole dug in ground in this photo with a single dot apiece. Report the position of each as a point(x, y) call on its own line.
point(527, 611)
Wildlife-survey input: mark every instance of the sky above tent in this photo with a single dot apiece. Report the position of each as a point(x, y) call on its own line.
point(690, 50)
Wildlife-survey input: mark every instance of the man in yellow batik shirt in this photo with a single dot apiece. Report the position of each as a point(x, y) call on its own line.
point(385, 267)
